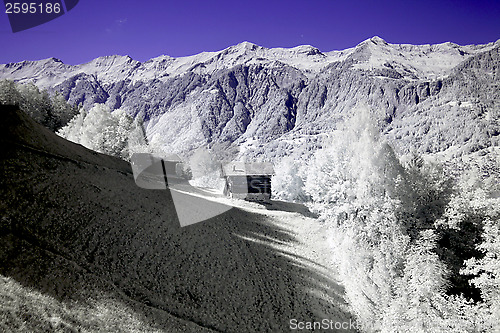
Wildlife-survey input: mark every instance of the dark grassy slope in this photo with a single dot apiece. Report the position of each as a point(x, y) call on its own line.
point(111, 256)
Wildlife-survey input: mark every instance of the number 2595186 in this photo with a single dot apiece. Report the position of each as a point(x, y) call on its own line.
point(32, 8)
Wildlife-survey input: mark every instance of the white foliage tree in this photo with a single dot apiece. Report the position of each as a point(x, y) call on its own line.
point(480, 198)
point(382, 214)
point(353, 184)
point(288, 182)
point(104, 131)
point(73, 131)
point(420, 303)
point(36, 103)
point(137, 142)
point(51, 111)
point(487, 272)
point(9, 94)
point(205, 169)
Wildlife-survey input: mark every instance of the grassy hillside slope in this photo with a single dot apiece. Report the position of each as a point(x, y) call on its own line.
point(82, 248)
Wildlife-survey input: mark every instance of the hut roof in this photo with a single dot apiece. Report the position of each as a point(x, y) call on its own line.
point(247, 169)
point(172, 158)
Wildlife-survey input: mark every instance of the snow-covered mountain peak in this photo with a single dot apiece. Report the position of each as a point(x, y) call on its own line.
point(43, 62)
point(112, 60)
point(371, 44)
point(375, 40)
point(159, 59)
point(378, 40)
point(307, 50)
point(242, 52)
point(246, 46)
point(110, 68)
point(374, 54)
point(52, 59)
point(41, 72)
point(427, 61)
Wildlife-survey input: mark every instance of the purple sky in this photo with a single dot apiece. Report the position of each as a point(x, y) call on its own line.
point(146, 29)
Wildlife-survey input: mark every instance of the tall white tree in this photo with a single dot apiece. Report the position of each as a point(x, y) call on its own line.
point(205, 169)
point(104, 131)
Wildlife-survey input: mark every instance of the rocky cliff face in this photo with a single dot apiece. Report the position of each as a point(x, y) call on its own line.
point(253, 100)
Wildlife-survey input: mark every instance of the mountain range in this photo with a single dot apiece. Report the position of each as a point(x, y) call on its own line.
point(261, 103)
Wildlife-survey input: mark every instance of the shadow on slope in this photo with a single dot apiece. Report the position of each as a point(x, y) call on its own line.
point(83, 248)
point(291, 207)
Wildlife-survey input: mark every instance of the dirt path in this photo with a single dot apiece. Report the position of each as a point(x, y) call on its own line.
point(310, 249)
